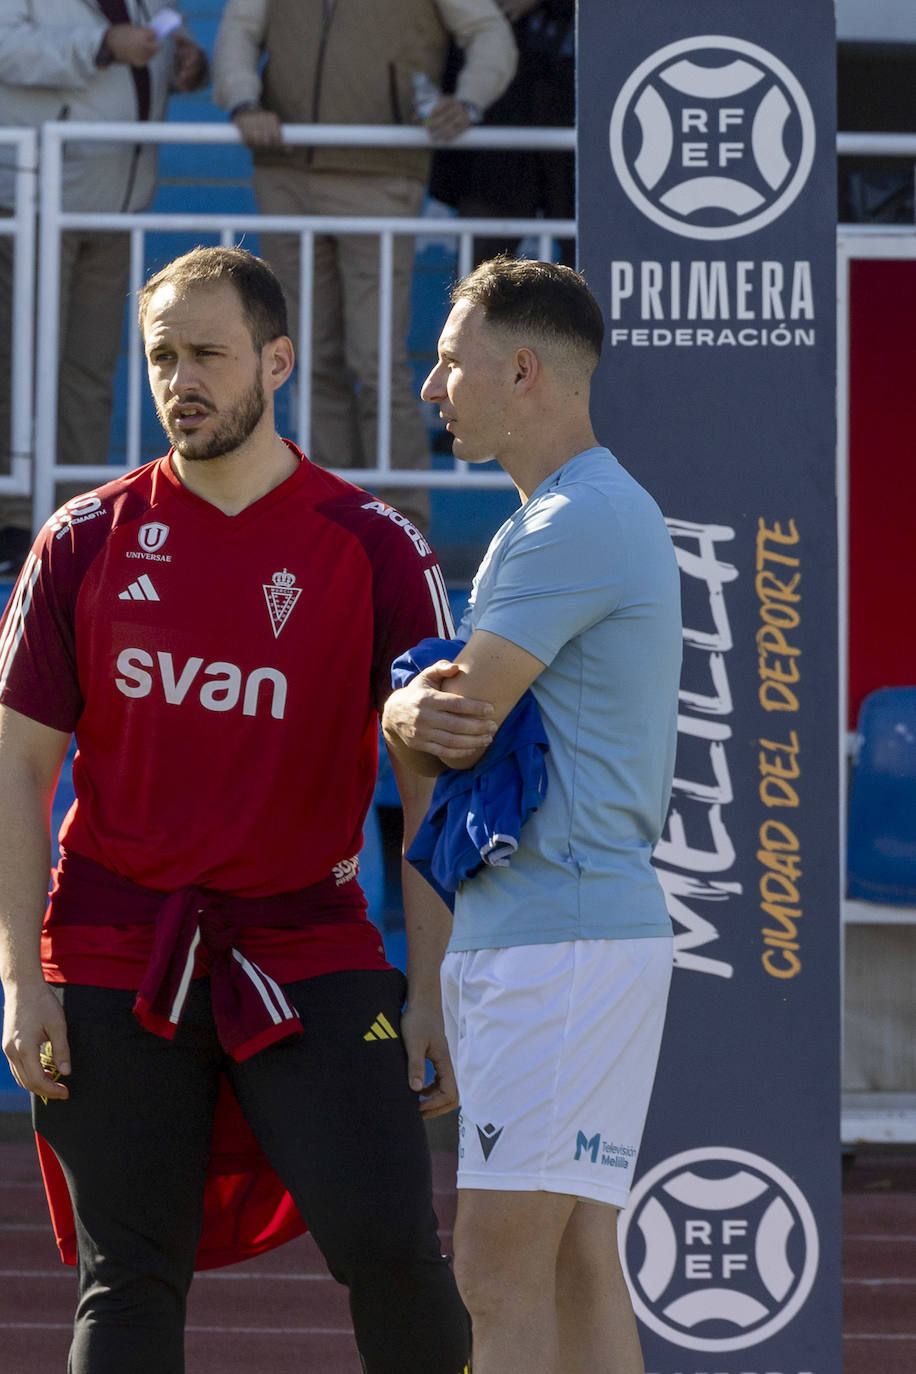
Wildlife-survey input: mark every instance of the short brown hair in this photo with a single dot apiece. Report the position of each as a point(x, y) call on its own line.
point(546, 298)
point(261, 295)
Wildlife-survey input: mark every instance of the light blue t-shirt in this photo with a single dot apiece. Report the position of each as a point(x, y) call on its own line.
point(584, 577)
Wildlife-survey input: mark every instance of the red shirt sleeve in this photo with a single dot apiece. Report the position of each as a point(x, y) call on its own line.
point(38, 669)
point(411, 599)
point(39, 666)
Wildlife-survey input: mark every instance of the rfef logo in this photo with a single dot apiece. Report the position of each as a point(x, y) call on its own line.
point(720, 1248)
point(712, 137)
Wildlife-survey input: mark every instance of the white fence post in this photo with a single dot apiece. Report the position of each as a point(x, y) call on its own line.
point(48, 330)
point(20, 229)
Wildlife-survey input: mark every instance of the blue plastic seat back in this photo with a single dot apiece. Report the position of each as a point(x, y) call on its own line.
point(881, 849)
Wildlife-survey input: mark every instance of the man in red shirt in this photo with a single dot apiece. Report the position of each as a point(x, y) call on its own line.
point(216, 629)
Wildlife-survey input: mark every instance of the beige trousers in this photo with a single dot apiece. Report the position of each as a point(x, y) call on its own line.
point(345, 323)
point(94, 279)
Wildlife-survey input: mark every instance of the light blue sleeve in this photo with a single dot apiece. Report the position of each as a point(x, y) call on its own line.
point(562, 569)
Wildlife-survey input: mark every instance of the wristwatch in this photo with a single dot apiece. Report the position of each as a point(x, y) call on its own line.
point(475, 113)
point(243, 107)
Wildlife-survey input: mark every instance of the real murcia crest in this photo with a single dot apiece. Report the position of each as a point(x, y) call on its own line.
point(282, 595)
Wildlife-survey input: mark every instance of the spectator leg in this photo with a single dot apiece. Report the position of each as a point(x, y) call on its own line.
point(359, 281)
point(95, 271)
point(334, 441)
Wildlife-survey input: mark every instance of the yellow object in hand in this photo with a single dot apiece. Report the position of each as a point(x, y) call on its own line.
point(46, 1059)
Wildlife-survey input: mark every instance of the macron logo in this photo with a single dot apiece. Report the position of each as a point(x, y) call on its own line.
point(141, 590)
point(590, 1147)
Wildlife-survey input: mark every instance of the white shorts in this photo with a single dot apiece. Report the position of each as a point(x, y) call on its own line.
point(555, 1049)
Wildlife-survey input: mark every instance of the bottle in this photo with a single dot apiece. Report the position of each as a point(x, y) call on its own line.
point(425, 96)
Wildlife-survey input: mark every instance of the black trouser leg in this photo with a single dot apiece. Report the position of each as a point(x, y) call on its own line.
point(334, 1114)
point(133, 1140)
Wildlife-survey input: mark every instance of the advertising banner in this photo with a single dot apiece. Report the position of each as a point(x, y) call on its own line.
point(707, 232)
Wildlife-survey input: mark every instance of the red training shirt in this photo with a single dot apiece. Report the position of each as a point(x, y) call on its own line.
point(222, 675)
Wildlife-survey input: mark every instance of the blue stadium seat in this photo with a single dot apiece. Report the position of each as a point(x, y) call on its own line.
point(881, 849)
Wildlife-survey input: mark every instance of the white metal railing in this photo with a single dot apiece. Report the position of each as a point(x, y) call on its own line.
point(230, 227)
point(19, 227)
point(876, 145)
point(54, 221)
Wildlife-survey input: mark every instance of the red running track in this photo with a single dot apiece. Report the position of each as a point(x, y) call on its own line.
point(282, 1312)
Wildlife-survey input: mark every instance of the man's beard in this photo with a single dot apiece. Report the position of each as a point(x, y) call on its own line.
point(233, 429)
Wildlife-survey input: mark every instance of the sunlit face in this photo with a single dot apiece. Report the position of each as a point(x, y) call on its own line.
point(204, 372)
point(472, 384)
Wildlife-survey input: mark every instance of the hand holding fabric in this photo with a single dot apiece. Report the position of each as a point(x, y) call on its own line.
point(429, 720)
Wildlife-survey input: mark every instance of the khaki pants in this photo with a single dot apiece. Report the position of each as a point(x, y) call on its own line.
point(94, 278)
point(345, 325)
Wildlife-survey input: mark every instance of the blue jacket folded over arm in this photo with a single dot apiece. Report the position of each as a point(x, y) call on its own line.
point(476, 814)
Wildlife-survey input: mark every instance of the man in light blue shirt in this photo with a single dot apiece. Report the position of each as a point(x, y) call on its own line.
point(583, 578)
point(556, 977)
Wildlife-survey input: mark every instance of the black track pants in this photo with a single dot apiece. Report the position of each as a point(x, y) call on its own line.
point(334, 1114)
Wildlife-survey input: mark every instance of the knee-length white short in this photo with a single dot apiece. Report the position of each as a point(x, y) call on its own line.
point(555, 1049)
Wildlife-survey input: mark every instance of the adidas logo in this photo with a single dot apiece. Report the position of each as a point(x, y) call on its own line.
point(141, 590)
point(381, 1029)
